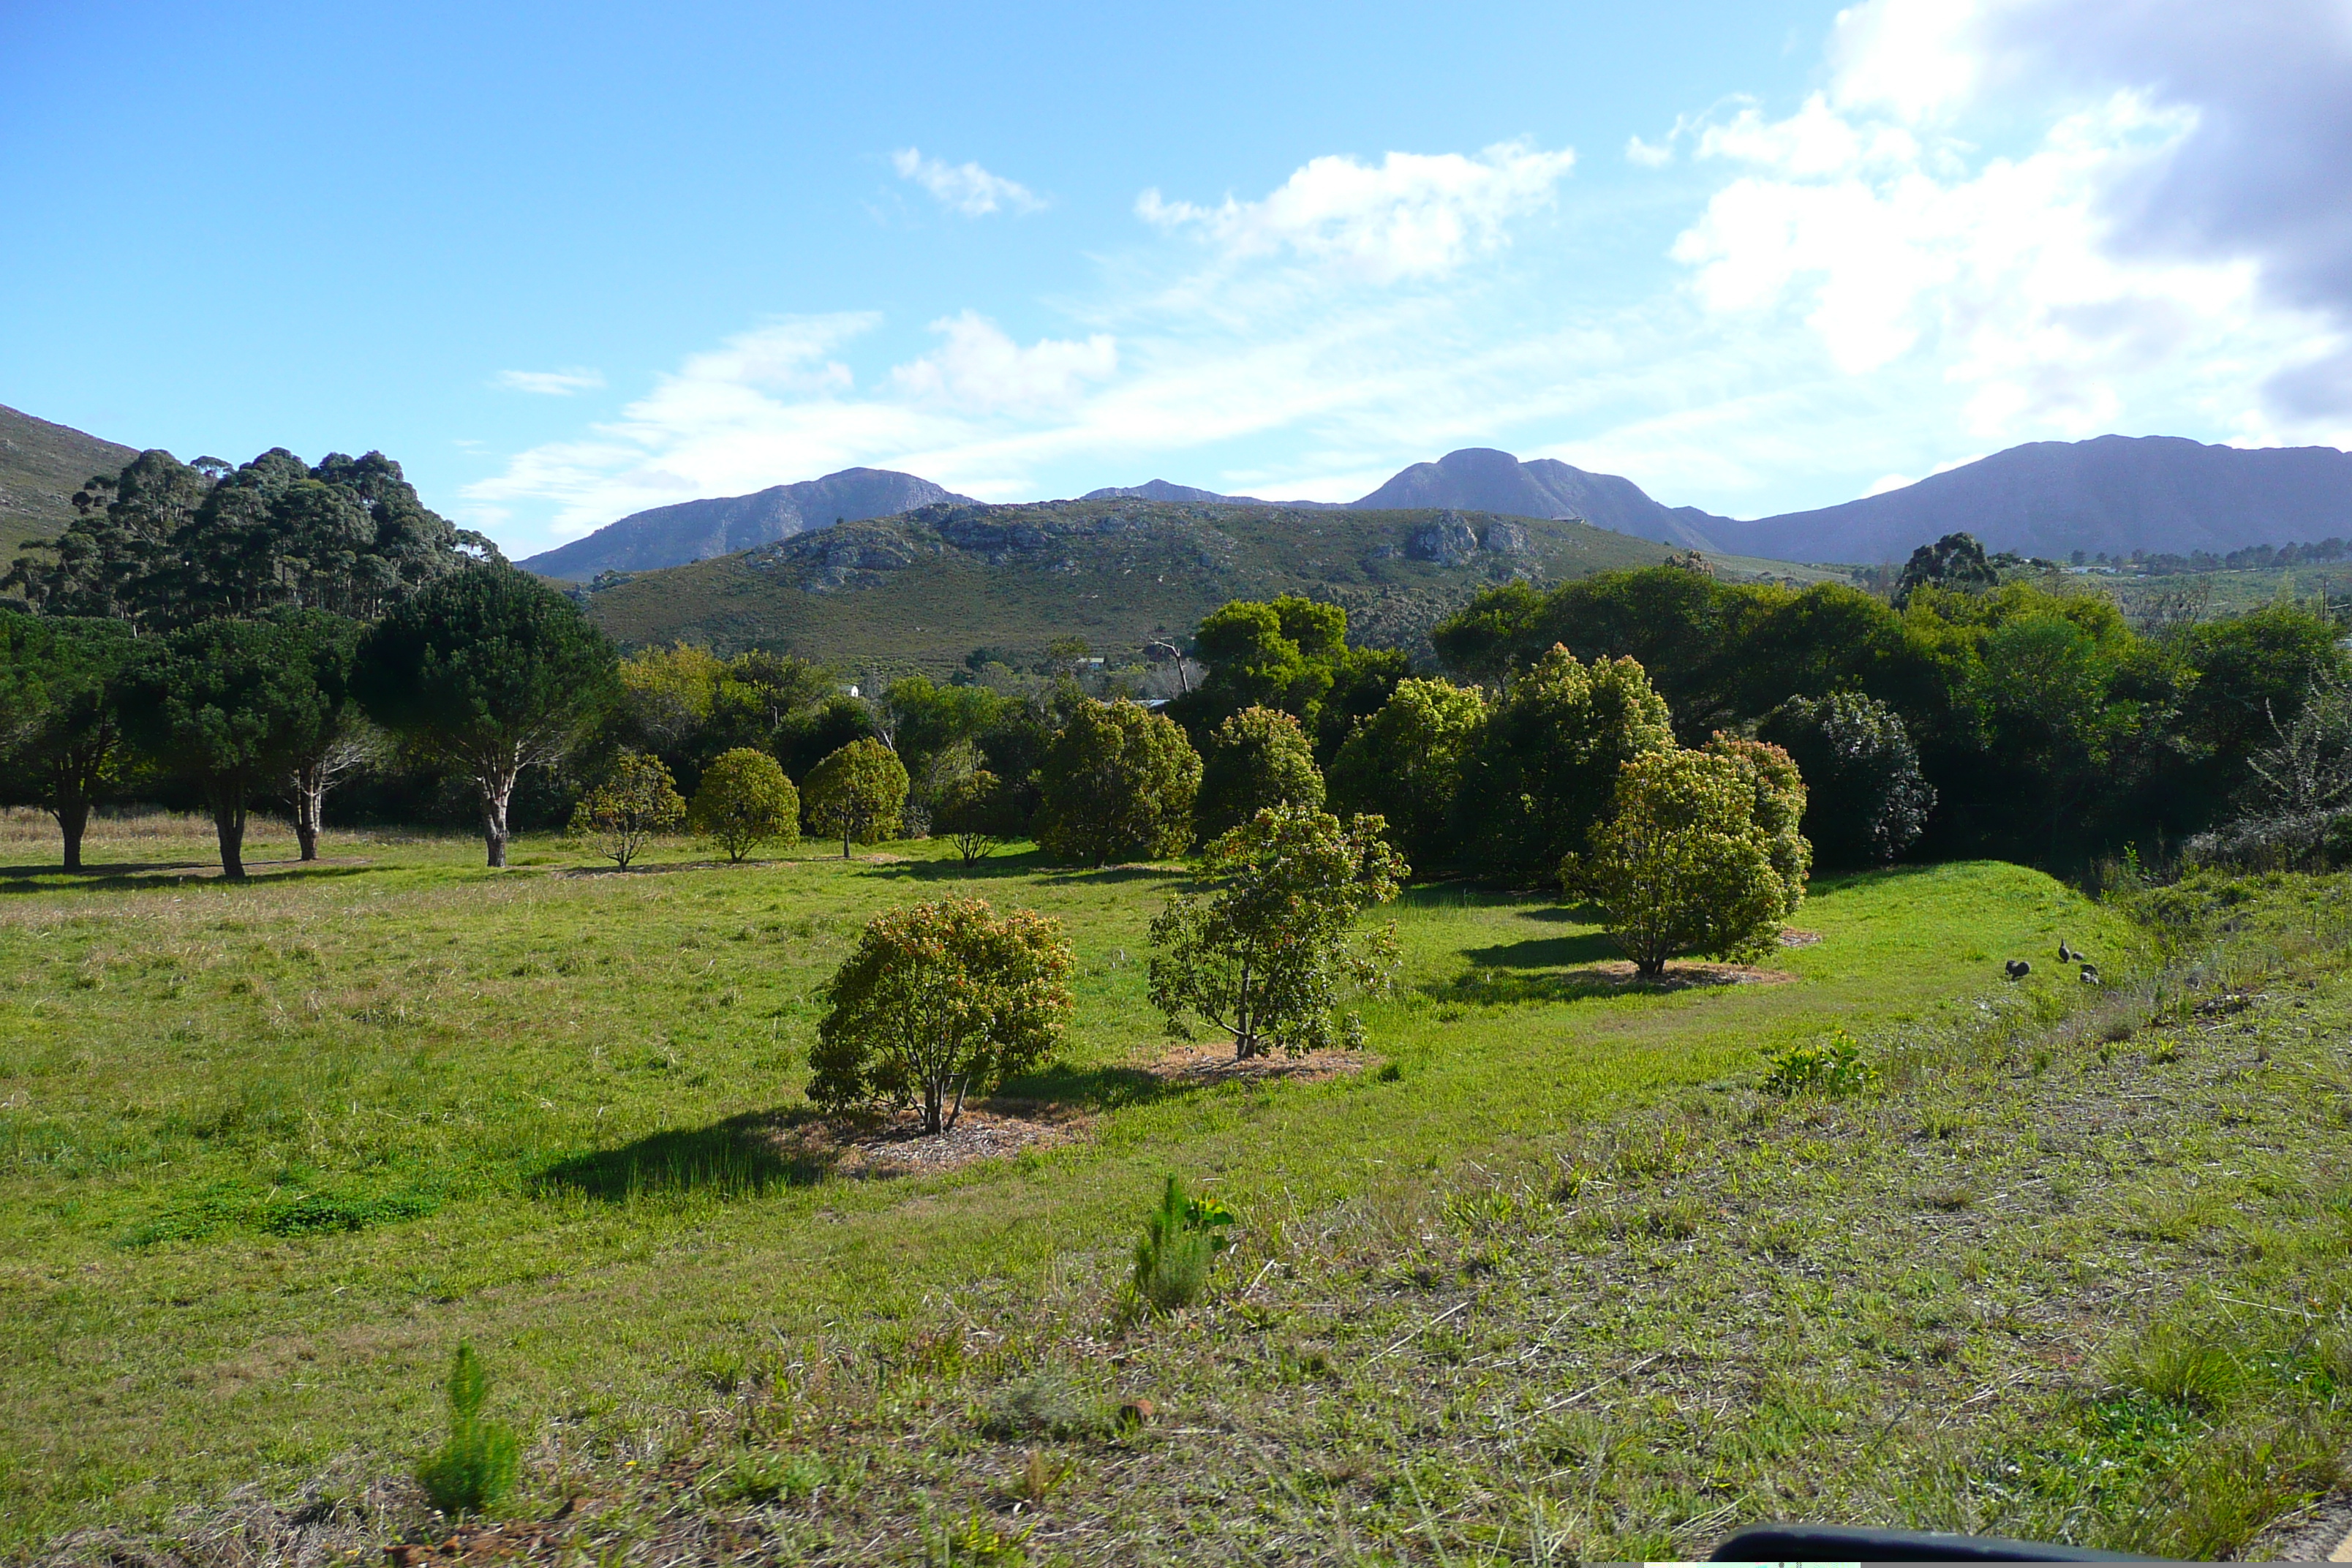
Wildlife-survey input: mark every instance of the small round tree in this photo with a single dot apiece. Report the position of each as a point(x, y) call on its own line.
point(1256, 758)
point(939, 1001)
point(1686, 865)
point(1118, 783)
point(1406, 763)
point(637, 800)
point(1264, 956)
point(744, 800)
point(858, 793)
point(977, 812)
point(1867, 799)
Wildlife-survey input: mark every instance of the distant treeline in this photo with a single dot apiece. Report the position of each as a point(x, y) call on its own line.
point(2252, 558)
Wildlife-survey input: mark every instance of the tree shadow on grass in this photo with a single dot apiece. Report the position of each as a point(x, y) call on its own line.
point(130, 875)
point(1544, 951)
point(1090, 1088)
point(739, 1157)
point(951, 868)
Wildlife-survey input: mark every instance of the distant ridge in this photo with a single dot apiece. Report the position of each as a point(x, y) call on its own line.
point(1483, 480)
point(697, 530)
point(1161, 490)
point(41, 466)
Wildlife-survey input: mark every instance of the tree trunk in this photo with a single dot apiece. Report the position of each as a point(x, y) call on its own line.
point(845, 844)
point(497, 787)
point(228, 824)
point(932, 1121)
point(309, 802)
point(73, 821)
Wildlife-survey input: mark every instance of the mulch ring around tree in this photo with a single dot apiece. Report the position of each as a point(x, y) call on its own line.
point(1682, 974)
point(1213, 1062)
point(896, 1145)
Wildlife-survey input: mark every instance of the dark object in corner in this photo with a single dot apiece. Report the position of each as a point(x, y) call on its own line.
point(1830, 1542)
point(2018, 968)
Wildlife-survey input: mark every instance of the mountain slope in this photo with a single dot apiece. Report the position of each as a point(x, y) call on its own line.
point(1489, 480)
point(697, 530)
point(1161, 490)
point(2113, 493)
point(41, 466)
point(926, 588)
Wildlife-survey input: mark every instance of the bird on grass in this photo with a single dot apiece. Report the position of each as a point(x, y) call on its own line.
point(2018, 968)
point(2090, 974)
point(2065, 954)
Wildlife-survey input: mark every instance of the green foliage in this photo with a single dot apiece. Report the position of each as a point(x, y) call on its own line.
point(475, 1469)
point(938, 1000)
point(1542, 775)
point(744, 800)
point(1264, 956)
point(61, 729)
point(1406, 763)
point(1180, 1238)
point(492, 671)
point(636, 800)
point(1290, 655)
point(1955, 561)
point(856, 792)
point(1257, 758)
point(1698, 857)
point(1832, 1068)
point(1118, 783)
point(976, 813)
point(1867, 799)
point(165, 543)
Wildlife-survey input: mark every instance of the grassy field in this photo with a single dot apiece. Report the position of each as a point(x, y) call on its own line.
point(1557, 1278)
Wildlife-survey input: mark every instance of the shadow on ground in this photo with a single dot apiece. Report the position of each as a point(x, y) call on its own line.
point(1091, 1089)
point(739, 1157)
point(121, 875)
point(1544, 951)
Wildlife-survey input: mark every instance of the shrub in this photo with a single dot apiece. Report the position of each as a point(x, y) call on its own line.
point(1698, 857)
point(1867, 800)
point(1263, 957)
point(475, 1469)
point(1180, 1238)
point(744, 800)
point(936, 1000)
point(1118, 785)
point(857, 792)
point(977, 812)
point(1406, 763)
point(1258, 757)
point(637, 800)
point(1834, 1068)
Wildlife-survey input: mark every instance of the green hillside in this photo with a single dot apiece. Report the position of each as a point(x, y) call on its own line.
point(41, 466)
point(928, 586)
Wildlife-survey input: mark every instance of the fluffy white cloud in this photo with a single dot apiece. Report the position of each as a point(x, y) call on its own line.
point(966, 188)
point(1411, 215)
point(982, 370)
point(549, 382)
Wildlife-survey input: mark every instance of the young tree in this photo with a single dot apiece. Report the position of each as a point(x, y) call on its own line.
point(1687, 863)
point(1547, 761)
point(1867, 799)
point(1257, 758)
point(492, 671)
point(744, 800)
point(63, 743)
point(1264, 956)
point(977, 812)
point(335, 740)
point(1406, 763)
point(226, 705)
point(939, 1001)
point(637, 800)
point(1118, 785)
point(857, 792)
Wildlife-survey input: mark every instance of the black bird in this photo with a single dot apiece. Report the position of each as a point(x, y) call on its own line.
point(2090, 974)
point(2018, 968)
point(2065, 954)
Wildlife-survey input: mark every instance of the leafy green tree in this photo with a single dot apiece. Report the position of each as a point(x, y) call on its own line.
point(1257, 758)
point(939, 1001)
point(1866, 800)
point(1686, 862)
point(1545, 768)
point(335, 739)
point(1263, 958)
point(856, 792)
point(977, 812)
point(1956, 562)
point(1118, 783)
point(637, 801)
point(1490, 639)
point(744, 800)
point(62, 746)
point(490, 670)
point(1406, 763)
point(1290, 654)
point(1779, 807)
point(227, 705)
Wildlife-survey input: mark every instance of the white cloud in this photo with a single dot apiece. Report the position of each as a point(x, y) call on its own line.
point(1411, 215)
point(1649, 157)
point(549, 382)
point(1888, 483)
point(982, 370)
point(966, 188)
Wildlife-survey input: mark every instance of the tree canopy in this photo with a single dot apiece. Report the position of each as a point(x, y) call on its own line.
point(1118, 783)
point(1406, 763)
point(1258, 757)
point(61, 691)
point(856, 792)
point(744, 801)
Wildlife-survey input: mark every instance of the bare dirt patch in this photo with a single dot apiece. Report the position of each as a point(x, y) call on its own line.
point(1682, 974)
point(896, 1145)
point(1215, 1063)
point(1792, 937)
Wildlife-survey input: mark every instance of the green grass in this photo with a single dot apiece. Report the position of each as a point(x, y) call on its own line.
point(268, 1152)
point(1116, 573)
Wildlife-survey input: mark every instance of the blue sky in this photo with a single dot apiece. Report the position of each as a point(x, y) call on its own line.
point(567, 262)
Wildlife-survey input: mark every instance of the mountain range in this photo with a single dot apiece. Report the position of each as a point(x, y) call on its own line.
point(41, 466)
